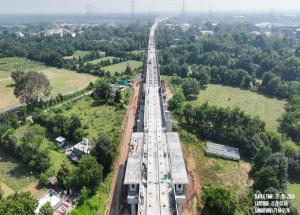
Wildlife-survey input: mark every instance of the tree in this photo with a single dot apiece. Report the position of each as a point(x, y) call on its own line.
point(279, 163)
point(262, 153)
point(89, 173)
point(22, 203)
point(177, 101)
point(32, 87)
point(8, 141)
point(105, 151)
point(46, 209)
point(64, 175)
point(71, 125)
point(190, 87)
point(30, 151)
point(265, 178)
point(218, 200)
point(84, 195)
point(17, 75)
point(128, 70)
point(103, 90)
point(118, 97)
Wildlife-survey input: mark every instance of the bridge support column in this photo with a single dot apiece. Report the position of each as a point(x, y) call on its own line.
point(133, 209)
point(169, 126)
point(139, 126)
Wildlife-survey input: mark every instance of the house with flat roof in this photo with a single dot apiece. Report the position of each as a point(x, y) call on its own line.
point(58, 203)
point(82, 148)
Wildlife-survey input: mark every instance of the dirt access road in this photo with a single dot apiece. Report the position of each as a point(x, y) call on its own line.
point(127, 128)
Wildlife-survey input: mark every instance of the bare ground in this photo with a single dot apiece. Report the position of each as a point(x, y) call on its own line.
point(6, 189)
point(34, 190)
point(127, 128)
point(191, 205)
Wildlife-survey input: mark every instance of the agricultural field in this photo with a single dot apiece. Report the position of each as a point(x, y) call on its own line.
point(101, 60)
point(79, 53)
point(269, 110)
point(62, 81)
point(120, 67)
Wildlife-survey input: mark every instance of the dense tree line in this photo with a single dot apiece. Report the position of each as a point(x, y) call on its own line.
point(114, 40)
point(222, 75)
point(232, 58)
point(28, 148)
point(231, 127)
point(60, 125)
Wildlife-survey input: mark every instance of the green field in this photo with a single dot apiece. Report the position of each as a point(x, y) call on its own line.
point(13, 174)
point(120, 67)
point(101, 59)
point(269, 110)
point(80, 53)
point(97, 118)
point(62, 80)
point(294, 188)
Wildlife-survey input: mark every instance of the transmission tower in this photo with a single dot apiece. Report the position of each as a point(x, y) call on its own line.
point(183, 8)
point(132, 7)
point(210, 12)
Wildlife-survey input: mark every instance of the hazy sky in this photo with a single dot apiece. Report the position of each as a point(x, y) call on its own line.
point(79, 6)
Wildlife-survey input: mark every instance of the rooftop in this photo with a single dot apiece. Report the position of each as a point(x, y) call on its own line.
point(222, 151)
point(60, 139)
point(83, 146)
point(52, 197)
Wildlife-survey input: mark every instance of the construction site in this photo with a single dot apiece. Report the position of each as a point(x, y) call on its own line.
point(155, 175)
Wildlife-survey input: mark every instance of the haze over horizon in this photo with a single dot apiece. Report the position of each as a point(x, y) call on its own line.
point(79, 6)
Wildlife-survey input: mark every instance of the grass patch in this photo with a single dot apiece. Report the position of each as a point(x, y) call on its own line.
point(294, 188)
point(79, 53)
point(120, 67)
point(101, 60)
point(269, 110)
point(211, 170)
point(62, 80)
point(14, 174)
point(97, 118)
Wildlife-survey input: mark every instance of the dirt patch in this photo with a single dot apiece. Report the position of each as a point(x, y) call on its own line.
point(6, 189)
point(34, 190)
point(168, 92)
point(191, 205)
